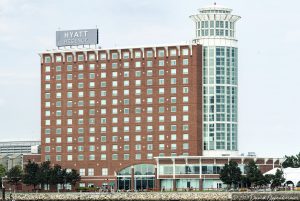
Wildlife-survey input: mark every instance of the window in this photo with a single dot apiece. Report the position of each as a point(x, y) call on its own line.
point(173, 71)
point(90, 171)
point(161, 81)
point(137, 73)
point(185, 108)
point(103, 66)
point(103, 148)
point(126, 73)
point(47, 69)
point(92, 157)
point(125, 55)
point(102, 56)
point(137, 64)
point(185, 136)
point(173, 52)
point(103, 157)
point(114, 156)
point(185, 118)
point(138, 156)
point(161, 90)
point(82, 172)
point(185, 62)
point(47, 59)
point(58, 59)
point(149, 147)
point(161, 137)
point(104, 171)
point(173, 137)
point(149, 72)
point(173, 90)
point(126, 156)
point(161, 53)
point(161, 147)
point(185, 71)
point(173, 108)
point(58, 157)
point(173, 62)
point(80, 57)
point(126, 138)
point(185, 145)
point(126, 64)
point(114, 65)
point(185, 99)
point(137, 54)
point(185, 52)
point(185, 90)
point(161, 63)
point(149, 63)
point(173, 80)
point(138, 147)
point(149, 53)
point(114, 55)
point(92, 57)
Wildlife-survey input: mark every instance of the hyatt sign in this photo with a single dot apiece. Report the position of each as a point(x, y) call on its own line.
point(77, 37)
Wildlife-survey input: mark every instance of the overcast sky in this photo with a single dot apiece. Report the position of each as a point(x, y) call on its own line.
point(269, 40)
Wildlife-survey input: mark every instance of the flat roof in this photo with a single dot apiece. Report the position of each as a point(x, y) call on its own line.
point(99, 48)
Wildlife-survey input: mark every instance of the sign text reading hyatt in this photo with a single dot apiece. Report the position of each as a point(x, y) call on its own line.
point(77, 37)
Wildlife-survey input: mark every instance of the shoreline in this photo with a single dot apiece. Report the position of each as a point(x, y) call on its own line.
point(157, 196)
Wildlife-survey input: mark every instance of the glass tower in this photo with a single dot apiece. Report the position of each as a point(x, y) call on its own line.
point(215, 30)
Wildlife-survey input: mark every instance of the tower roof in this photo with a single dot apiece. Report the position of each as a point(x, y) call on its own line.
point(215, 8)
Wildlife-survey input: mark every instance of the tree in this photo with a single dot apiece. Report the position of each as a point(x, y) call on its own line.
point(62, 177)
point(73, 177)
point(2, 173)
point(231, 174)
point(292, 161)
point(254, 175)
point(45, 174)
point(31, 174)
point(277, 179)
point(14, 175)
point(56, 175)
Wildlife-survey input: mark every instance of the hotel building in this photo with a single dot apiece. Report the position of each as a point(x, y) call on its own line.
point(162, 116)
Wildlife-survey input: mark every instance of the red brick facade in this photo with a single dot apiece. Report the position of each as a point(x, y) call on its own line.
point(100, 105)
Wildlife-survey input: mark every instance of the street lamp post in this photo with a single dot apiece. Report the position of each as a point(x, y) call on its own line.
point(3, 189)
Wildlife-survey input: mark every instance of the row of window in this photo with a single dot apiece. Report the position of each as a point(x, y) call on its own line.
point(115, 55)
point(91, 76)
point(149, 110)
point(92, 157)
point(103, 102)
point(126, 138)
point(115, 147)
point(91, 93)
point(116, 129)
point(215, 24)
point(138, 92)
point(91, 171)
point(115, 65)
